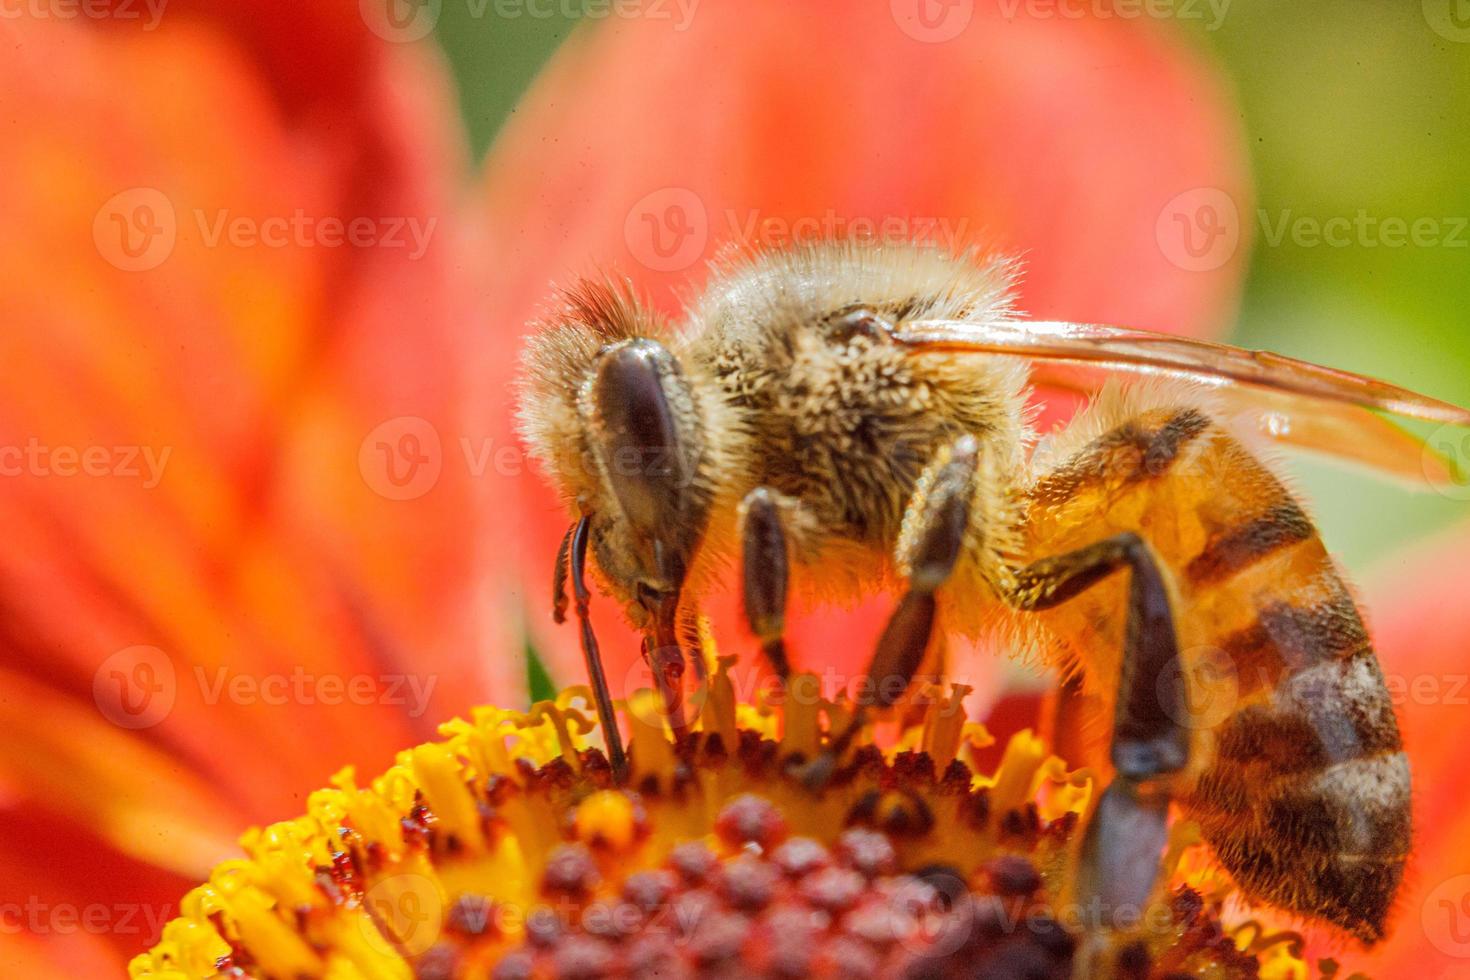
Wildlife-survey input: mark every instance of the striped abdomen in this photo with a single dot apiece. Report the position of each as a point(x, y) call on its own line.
point(1300, 782)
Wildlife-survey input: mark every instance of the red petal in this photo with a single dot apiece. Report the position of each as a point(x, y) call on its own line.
point(1071, 142)
point(266, 546)
point(1422, 633)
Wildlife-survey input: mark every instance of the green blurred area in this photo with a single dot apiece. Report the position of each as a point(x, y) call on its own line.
point(1356, 110)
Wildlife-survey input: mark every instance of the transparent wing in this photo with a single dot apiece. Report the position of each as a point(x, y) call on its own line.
point(1298, 403)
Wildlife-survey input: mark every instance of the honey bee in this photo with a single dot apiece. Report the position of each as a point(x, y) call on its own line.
point(846, 415)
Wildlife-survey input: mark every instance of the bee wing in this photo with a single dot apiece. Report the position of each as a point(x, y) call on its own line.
point(1298, 403)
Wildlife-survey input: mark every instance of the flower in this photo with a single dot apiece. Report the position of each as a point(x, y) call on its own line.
point(217, 427)
point(508, 850)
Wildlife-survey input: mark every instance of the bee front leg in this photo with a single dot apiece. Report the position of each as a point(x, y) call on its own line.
point(573, 552)
point(1127, 830)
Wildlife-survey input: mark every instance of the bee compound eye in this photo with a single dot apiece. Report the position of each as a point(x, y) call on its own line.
point(647, 438)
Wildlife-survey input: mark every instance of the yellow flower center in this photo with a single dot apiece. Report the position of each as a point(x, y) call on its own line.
point(507, 850)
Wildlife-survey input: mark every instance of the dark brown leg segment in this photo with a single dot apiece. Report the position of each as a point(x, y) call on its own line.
point(929, 554)
point(766, 575)
point(666, 659)
point(1128, 829)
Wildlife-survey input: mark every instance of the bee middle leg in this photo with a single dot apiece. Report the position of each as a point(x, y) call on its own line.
point(939, 518)
point(766, 574)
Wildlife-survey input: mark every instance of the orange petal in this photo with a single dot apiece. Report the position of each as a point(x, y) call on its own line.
point(1087, 145)
point(205, 345)
point(75, 759)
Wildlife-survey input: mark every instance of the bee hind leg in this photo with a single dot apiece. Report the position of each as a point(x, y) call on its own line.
point(936, 526)
point(1127, 830)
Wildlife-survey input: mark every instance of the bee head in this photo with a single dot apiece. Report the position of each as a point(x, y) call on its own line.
point(609, 412)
